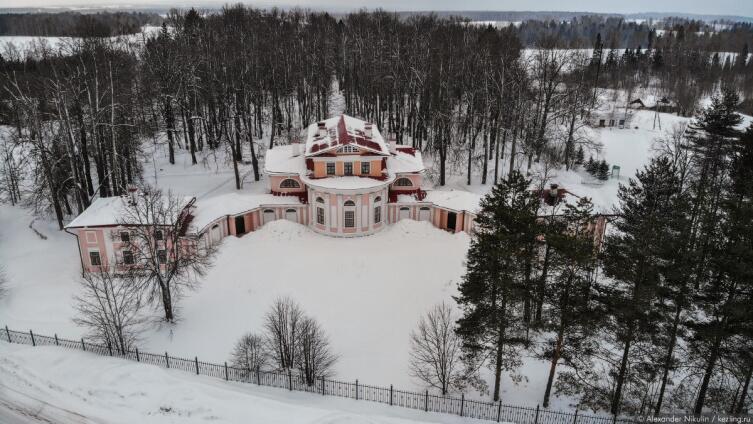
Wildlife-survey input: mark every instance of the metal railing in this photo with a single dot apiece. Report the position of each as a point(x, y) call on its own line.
point(491, 411)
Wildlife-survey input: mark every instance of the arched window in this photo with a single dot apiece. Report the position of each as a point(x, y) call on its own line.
point(403, 182)
point(349, 148)
point(289, 183)
point(349, 214)
point(349, 203)
point(377, 199)
point(319, 200)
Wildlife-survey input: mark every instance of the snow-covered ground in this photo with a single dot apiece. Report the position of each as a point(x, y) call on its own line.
point(367, 292)
point(53, 385)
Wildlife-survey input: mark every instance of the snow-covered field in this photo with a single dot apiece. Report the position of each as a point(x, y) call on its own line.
point(52, 385)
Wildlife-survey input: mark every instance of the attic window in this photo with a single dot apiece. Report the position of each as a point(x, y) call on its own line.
point(349, 148)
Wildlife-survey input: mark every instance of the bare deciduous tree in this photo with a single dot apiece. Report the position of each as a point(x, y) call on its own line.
point(283, 326)
point(109, 307)
point(315, 358)
point(250, 354)
point(171, 262)
point(436, 350)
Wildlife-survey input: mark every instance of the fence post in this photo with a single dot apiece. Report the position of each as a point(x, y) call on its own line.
point(258, 377)
point(323, 387)
point(109, 348)
point(196, 361)
point(290, 380)
point(7, 332)
point(536, 420)
point(167, 360)
point(462, 403)
point(614, 419)
point(226, 376)
point(499, 410)
point(57, 343)
point(390, 394)
point(576, 416)
point(426, 401)
point(356, 389)
point(138, 359)
point(83, 345)
point(33, 343)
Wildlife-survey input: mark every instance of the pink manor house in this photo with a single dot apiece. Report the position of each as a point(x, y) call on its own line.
point(344, 181)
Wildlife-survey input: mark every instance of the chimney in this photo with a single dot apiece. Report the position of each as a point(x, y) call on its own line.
point(322, 129)
point(393, 146)
point(132, 192)
point(553, 190)
point(367, 130)
point(296, 148)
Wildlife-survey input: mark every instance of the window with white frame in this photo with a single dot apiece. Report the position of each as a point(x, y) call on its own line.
point(159, 235)
point(349, 148)
point(320, 215)
point(95, 259)
point(289, 183)
point(365, 168)
point(162, 256)
point(330, 168)
point(350, 219)
point(377, 214)
point(403, 182)
point(348, 168)
point(125, 236)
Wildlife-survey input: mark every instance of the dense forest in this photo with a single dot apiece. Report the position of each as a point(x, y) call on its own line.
point(662, 331)
point(74, 24)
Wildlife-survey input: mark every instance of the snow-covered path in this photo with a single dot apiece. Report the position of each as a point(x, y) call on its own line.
point(50, 384)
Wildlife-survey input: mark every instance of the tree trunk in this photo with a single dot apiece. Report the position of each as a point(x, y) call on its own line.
point(710, 364)
point(615, 407)
point(668, 360)
point(553, 365)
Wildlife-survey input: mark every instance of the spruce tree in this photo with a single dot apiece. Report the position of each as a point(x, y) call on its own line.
point(602, 172)
point(579, 156)
point(493, 289)
point(632, 261)
point(591, 166)
point(572, 314)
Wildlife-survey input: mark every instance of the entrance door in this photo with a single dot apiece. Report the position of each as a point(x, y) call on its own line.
point(404, 213)
point(216, 233)
point(291, 215)
point(452, 218)
point(240, 225)
point(424, 214)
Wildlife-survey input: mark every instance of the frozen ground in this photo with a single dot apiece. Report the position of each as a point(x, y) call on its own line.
point(52, 385)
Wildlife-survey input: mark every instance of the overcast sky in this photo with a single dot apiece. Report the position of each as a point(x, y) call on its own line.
point(715, 7)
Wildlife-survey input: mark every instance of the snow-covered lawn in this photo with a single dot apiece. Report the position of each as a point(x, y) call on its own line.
point(61, 386)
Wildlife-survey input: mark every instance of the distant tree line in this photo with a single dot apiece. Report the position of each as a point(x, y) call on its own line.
point(75, 24)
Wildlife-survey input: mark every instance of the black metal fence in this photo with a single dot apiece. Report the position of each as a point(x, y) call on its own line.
point(492, 411)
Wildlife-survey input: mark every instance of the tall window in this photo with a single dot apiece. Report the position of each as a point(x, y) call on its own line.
point(330, 168)
point(365, 168)
point(162, 256)
point(158, 235)
point(125, 236)
point(350, 219)
point(377, 214)
point(403, 182)
point(95, 259)
point(348, 168)
point(127, 257)
point(289, 183)
point(320, 216)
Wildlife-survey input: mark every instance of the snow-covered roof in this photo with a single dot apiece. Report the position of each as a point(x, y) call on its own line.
point(346, 183)
point(330, 134)
point(282, 160)
point(457, 200)
point(108, 211)
point(211, 209)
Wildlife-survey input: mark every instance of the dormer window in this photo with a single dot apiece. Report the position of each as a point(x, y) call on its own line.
point(349, 148)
